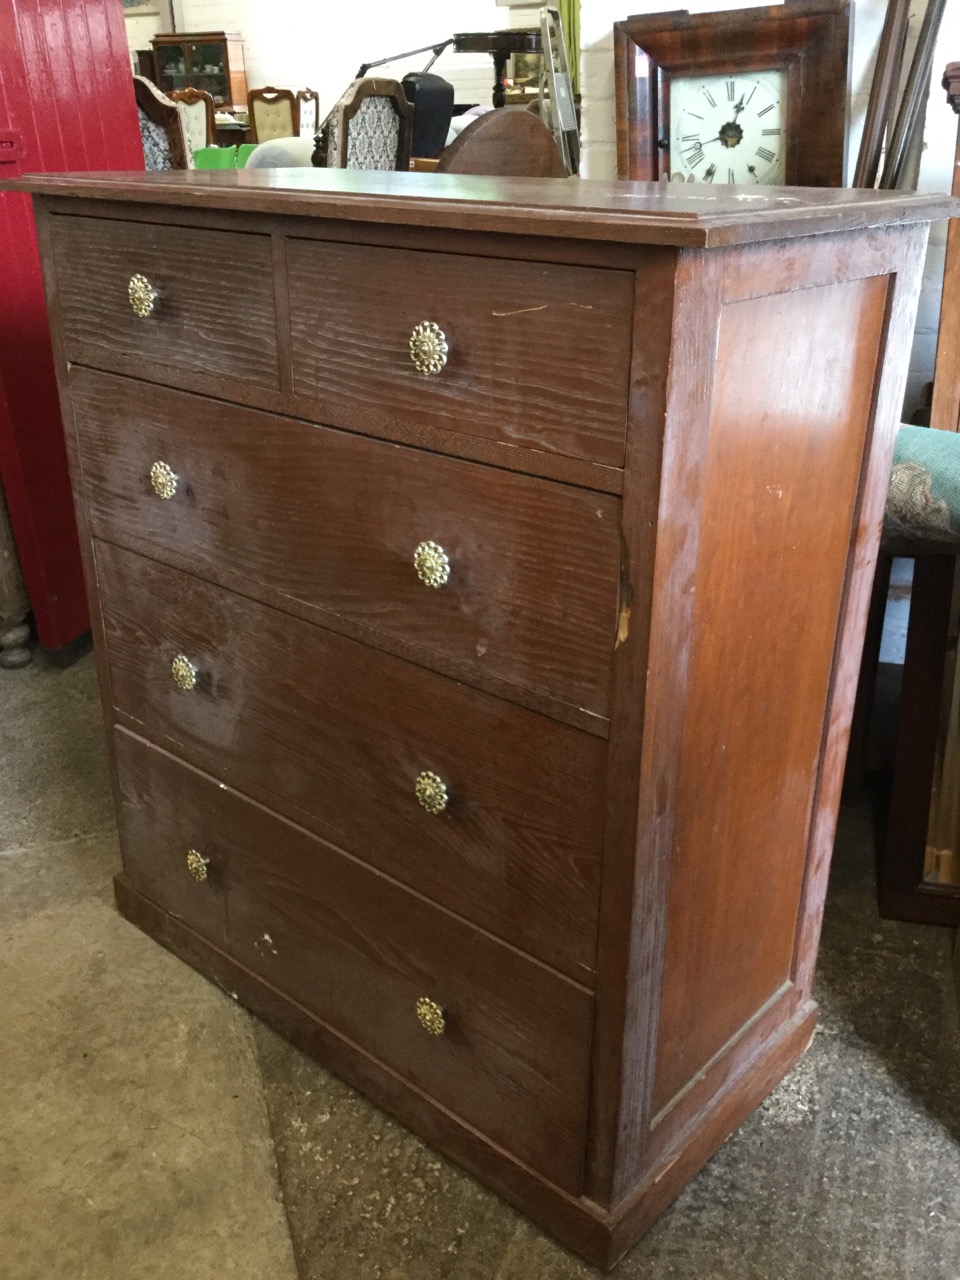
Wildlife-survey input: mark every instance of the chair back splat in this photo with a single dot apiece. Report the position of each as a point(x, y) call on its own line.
point(274, 113)
point(309, 106)
point(371, 127)
point(162, 131)
point(196, 106)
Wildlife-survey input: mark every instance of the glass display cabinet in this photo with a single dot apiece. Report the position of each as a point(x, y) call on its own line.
point(208, 60)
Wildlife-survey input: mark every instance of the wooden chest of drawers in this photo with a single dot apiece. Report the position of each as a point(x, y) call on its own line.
point(479, 572)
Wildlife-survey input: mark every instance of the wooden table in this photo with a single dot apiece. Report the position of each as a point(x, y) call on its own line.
point(231, 135)
point(500, 45)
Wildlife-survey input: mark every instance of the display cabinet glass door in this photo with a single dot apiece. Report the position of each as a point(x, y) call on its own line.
point(208, 67)
point(195, 65)
point(172, 66)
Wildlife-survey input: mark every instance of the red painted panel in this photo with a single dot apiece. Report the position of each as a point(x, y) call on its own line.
point(66, 104)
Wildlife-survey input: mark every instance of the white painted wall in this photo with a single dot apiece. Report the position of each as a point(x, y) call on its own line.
point(294, 43)
point(140, 31)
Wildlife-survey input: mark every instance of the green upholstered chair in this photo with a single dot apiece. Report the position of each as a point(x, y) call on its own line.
point(215, 158)
point(923, 500)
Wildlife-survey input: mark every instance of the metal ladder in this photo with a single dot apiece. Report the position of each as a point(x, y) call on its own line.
point(556, 90)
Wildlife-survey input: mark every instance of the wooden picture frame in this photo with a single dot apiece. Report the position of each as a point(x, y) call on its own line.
point(808, 39)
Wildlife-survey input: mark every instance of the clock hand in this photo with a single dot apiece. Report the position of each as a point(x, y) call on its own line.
point(738, 108)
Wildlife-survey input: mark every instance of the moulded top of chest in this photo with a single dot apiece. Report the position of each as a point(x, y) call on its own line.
point(627, 212)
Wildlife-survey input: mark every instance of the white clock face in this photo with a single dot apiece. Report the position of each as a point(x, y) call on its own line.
point(729, 128)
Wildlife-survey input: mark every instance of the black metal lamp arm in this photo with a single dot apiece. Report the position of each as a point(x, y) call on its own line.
point(437, 49)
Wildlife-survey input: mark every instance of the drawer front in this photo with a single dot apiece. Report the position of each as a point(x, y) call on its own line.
point(342, 736)
point(538, 354)
point(213, 312)
point(333, 520)
point(359, 951)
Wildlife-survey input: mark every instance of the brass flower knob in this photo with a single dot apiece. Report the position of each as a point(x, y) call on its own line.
point(431, 1016)
point(428, 347)
point(431, 792)
point(143, 296)
point(163, 480)
point(197, 865)
point(184, 672)
point(432, 564)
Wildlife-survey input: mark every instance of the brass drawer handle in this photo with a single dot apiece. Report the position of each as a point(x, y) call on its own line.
point(143, 296)
point(197, 865)
point(432, 564)
point(428, 347)
point(184, 672)
point(431, 792)
point(431, 1016)
point(163, 480)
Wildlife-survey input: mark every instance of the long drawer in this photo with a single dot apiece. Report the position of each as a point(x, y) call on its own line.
point(490, 810)
point(527, 353)
point(509, 1043)
point(206, 296)
point(333, 521)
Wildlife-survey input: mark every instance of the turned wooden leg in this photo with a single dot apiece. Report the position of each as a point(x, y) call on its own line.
point(499, 72)
point(15, 648)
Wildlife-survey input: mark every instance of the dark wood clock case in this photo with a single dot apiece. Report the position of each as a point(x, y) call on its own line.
point(810, 39)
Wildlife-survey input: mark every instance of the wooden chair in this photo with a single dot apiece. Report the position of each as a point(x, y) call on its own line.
point(162, 132)
point(371, 127)
point(273, 113)
point(309, 107)
point(919, 862)
point(198, 113)
point(511, 142)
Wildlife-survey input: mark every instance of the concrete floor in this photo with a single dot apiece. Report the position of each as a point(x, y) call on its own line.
point(150, 1128)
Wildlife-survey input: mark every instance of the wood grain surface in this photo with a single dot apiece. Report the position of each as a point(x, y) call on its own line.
point(673, 873)
point(513, 1058)
point(782, 478)
point(215, 311)
point(331, 521)
point(587, 210)
point(336, 734)
point(538, 353)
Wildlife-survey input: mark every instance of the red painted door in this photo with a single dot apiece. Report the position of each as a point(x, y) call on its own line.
point(66, 104)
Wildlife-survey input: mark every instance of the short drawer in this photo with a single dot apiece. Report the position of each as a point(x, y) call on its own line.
point(490, 810)
point(510, 1041)
point(204, 303)
point(537, 354)
point(333, 521)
